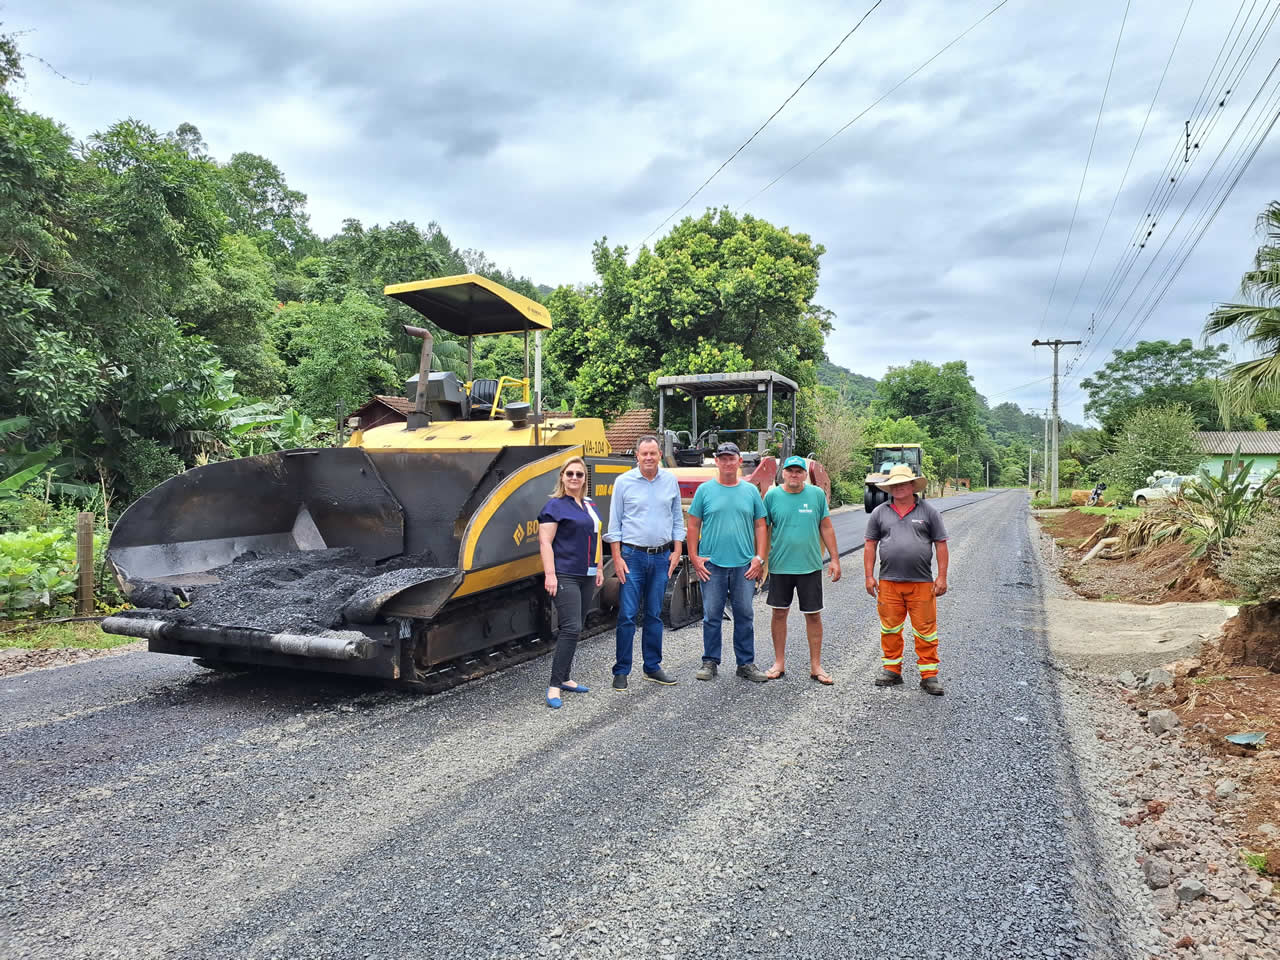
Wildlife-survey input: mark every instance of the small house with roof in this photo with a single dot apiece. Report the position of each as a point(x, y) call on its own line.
point(1237, 447)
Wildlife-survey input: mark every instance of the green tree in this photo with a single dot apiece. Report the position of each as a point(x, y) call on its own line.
point(1153, 438)
point(340, 353)
point(719, 292)
point(1254, 385)
point(1155, 373)
point(259, 203)
point(230, 302)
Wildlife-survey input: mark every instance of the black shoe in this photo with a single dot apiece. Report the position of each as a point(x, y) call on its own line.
point(931, 686)
point(749, 671)
point(620, 681)
point(708, 670)
point(887, 678)
point(660, 676)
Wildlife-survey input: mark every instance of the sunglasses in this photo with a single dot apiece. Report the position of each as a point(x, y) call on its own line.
point(574, 473)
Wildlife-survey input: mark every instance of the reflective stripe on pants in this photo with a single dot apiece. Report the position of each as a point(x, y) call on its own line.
point(896, 602)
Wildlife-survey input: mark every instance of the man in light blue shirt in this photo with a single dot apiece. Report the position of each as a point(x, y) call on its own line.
point(646, 536)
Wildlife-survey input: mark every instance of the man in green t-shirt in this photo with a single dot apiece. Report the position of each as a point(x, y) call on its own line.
point(799, 527)
point(726, 538)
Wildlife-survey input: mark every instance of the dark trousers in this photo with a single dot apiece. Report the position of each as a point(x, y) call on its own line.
point(572, 599)
point(646, 586)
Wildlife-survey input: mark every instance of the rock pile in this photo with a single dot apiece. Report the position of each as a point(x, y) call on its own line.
point(1169, 806)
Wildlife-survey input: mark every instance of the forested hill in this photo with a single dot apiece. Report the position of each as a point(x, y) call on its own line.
point(858, 391)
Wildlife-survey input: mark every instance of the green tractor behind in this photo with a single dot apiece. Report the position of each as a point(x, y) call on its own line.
point(884, 457)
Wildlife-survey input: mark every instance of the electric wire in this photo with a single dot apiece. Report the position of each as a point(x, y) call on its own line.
point(1119, 310)
point(1242, 164)
point(1128, 259)
point(1127, 167)
point(1084, 175)
point(759, 129)
point(884, 96)
point(1261, 127)
point(1164, 185)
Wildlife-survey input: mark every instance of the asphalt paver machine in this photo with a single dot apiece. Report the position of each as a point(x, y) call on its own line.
point(410, 554)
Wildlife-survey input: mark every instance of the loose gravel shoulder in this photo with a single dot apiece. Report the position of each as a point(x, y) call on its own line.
point(1159, 808)
point(157, 810)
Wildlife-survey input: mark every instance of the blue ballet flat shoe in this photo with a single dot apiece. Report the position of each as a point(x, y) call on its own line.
point(554, 703)
point(578, 689)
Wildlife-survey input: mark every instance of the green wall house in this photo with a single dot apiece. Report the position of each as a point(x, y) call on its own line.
point(1260, 446)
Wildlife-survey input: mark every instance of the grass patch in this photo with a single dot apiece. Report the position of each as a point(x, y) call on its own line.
point(1121, 513)
point(52, 636)
point(1206, 680)
point(1255, 861)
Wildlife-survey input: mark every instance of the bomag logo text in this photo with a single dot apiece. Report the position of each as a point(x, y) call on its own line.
point(524, 531)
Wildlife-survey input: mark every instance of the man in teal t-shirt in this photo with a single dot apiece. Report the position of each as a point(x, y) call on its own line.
point(726, 538)
point(799, 527)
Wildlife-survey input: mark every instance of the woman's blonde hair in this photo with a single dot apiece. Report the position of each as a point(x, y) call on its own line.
point(560, 491)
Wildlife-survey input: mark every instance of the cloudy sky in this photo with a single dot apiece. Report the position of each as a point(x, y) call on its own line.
point(531, 130)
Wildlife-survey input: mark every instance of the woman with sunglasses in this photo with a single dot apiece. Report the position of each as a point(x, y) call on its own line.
point(569, 538)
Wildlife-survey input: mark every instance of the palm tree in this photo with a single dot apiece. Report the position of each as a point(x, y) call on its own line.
point(1254, 384)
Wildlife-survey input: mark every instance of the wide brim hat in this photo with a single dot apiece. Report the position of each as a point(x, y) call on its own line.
point(902, 474)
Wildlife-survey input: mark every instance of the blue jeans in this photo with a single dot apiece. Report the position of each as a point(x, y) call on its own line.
point(647, 584)
point(730, 583)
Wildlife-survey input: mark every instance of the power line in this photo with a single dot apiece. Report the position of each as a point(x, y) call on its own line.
point(1243, 166)
point(1125, 176)
point(1238, 165)
point(1190, 201)
point(746, 142)
point(875, 103)
point(1084, 174)
point(1167, 185)
point(1164, 186)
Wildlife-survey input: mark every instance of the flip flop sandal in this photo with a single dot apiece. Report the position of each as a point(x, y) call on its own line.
point(822, 679)
point(779, 676)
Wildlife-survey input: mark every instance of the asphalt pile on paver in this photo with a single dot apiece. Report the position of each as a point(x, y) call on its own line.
point(300, 592)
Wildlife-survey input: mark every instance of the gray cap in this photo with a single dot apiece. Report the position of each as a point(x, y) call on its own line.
point(728, 447)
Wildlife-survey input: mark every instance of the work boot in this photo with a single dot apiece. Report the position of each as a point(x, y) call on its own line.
point(708, 670)
point(749, 671)
point(931, 686)
point(660, 676)
point(887, 678)
point(620, 681)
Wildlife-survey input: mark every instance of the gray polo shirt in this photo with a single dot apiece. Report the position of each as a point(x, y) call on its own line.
point(906, 543)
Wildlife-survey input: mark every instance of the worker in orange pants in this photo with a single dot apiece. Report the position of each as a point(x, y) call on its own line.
point(905, 533)
point(896, 602)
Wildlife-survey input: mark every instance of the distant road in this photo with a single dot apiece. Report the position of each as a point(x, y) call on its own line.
point(851, 524)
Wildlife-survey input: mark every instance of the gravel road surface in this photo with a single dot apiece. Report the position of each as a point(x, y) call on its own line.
point(152, 809)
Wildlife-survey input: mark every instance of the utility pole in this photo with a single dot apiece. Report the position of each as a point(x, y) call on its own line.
point(988, 473)
point(1057, 345)
point(1029, 451)
point(1044, 473)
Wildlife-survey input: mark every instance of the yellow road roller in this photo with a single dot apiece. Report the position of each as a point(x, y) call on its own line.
point(409, 555)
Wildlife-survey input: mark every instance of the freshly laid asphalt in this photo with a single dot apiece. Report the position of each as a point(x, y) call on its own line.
point(152, 809)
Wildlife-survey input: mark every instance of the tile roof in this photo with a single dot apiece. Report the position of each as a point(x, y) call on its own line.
point(398, 404)
point(627, 428)
point(1249, 441)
